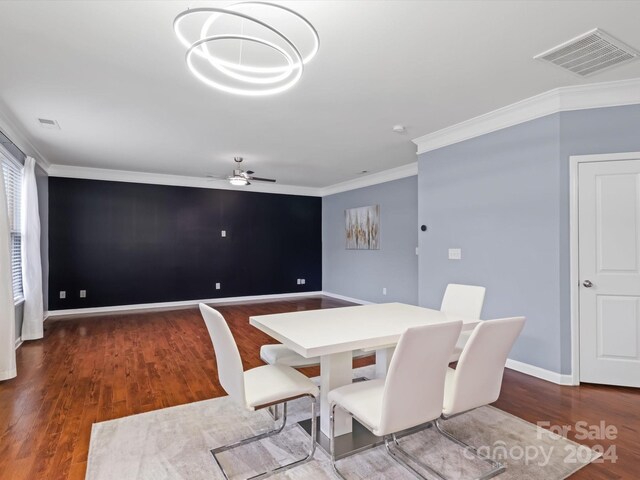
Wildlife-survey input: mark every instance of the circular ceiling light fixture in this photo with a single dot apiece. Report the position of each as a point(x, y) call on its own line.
point(238, 77)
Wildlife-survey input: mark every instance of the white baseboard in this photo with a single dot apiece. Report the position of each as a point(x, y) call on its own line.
point(538, 372)
point(18, 342)
point(346, 299)
point(169, 305)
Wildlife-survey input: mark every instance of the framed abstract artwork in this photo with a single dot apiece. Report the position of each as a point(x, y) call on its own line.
point(362, 228)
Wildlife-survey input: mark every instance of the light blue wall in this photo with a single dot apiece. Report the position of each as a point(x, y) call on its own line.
point(362, 274)
point(504, 199)
point(585, 132)
point(496, 198)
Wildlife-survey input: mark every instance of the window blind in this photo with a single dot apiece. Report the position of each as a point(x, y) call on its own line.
point(12, 171)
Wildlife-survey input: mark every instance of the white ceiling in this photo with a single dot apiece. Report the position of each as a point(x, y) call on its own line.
point(113, 75)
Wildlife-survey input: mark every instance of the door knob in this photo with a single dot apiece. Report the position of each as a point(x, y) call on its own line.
point(587, 283)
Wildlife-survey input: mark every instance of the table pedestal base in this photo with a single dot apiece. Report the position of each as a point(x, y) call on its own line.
point(358, 440)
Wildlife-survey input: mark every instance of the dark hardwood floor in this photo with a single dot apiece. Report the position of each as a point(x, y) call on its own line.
point(89, 370)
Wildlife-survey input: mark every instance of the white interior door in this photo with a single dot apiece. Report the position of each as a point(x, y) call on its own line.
point(609, 262)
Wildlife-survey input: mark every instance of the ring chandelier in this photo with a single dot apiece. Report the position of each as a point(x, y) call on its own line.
point(238, 78)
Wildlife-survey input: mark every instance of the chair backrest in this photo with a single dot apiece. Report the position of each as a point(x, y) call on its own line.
point(463, 300)
point(414, 387)
point(478, 376)
point(230, 372)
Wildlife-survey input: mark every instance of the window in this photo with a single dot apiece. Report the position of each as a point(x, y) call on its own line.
point(12, 171)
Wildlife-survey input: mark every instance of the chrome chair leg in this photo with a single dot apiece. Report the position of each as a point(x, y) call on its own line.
point(395, 445)
point(394, 455)
point(273, 411)
point(497, 467)
point(312, 447)
point(332, 440)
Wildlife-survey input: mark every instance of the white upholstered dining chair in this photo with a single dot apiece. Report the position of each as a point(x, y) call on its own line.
point(257, 388)
point(410, 395)
point(465, 301)
point(278, 354)
point(477, 379)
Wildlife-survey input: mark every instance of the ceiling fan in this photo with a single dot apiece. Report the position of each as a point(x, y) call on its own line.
point(241, 177)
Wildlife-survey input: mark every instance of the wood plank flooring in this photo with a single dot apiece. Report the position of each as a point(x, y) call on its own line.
point(94, 369)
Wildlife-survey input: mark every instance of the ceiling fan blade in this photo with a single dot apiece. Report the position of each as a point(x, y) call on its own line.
point(216, 177)
point(262, 179)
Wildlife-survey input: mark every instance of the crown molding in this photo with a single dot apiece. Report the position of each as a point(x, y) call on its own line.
point(404, 171)
point(579, 97)
point(596, 95)
point(90, 173)
point(10, 129)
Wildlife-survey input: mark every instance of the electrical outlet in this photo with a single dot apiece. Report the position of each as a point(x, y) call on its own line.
point(303, 281)
point(63, 294)
point(83, 294)
point(455, 254)
point(384, 290)
point(223, 233)
point(218, 286)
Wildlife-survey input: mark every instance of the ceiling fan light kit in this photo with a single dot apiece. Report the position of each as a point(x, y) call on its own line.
point(235, 77)
point(240, 177)
point(238, 181)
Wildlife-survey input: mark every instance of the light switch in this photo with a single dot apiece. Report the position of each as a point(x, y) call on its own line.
point(218, 286)
point(223, 233)
point(455, 254)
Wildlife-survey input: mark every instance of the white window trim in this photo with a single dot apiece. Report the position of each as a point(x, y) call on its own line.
point(19, 300)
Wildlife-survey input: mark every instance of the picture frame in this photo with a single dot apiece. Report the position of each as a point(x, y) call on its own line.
point(362, 228)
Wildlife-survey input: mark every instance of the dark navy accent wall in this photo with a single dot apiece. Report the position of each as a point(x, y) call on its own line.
point(129, 243)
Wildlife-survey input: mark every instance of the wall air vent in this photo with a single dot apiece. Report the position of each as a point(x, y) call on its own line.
point(589, 53)
point(47, 123)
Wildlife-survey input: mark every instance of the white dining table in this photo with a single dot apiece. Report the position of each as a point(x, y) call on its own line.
point(332, 334)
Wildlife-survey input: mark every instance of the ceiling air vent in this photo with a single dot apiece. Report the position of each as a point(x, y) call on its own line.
point(46, 123)
point(589, 53)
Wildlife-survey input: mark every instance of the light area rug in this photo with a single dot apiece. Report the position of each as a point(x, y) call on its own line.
point(174, 443)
